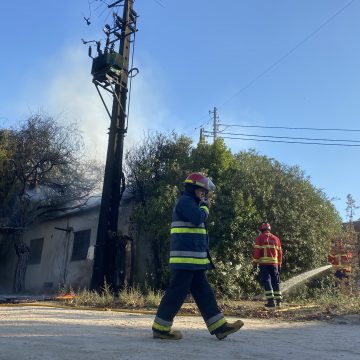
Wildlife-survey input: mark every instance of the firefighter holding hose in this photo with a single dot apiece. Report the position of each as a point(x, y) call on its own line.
point(267, 254)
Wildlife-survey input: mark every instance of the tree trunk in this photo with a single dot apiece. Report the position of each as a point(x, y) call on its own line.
point(23, 253)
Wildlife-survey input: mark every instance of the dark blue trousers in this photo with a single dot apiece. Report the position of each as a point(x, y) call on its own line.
point(182, 283)
point(270, 280)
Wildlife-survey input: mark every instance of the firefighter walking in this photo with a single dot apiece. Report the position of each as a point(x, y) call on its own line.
point(189, 259)
point(267, 255)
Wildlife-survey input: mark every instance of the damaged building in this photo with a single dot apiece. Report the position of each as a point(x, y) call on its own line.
point(61, 249)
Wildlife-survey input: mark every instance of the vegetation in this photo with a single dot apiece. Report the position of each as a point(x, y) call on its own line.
point(250, 188)
point(323, 302)
point(126, 298)
point(42, 168)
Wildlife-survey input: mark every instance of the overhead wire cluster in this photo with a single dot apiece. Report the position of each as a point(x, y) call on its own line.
point(223, 132)
point(282, 139)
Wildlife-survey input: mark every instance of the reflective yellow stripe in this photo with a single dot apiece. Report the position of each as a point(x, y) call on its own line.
point(342, 267)
point(180, 260)
point(194, 182)
point(188, 231)
point(267, 260)
point(216, 324)
point(205, 208)
point(267, 247)
point(161, 327)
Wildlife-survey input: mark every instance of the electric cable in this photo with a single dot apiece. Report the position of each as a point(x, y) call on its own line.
point(159, 3)
point(279, 60)
point(286, 137)
point(290, 128)
point(130, 82)
point(287, 54)
point(288, 142)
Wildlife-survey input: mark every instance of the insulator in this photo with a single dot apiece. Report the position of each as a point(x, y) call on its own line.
point(118, 19)
point(107, 29)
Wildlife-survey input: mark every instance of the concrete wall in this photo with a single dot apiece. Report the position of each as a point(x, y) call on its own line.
point(56, 267)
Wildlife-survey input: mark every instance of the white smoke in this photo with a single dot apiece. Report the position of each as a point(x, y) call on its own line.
point(71, 94)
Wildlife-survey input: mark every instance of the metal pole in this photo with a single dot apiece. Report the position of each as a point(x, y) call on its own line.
point(215, 124)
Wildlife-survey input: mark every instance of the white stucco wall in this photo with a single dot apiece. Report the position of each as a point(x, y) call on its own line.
point(56, 264)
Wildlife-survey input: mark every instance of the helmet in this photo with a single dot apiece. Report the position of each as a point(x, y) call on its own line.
point(264, 226)
point(200, 180)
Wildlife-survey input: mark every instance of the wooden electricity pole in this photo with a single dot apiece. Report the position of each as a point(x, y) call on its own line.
point(110, 70)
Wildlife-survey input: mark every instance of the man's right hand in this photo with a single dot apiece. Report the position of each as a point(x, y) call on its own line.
point(204, 202)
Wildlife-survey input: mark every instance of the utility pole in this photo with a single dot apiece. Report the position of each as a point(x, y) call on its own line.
point(202, 136)
point(110, 70)
point(215, 117)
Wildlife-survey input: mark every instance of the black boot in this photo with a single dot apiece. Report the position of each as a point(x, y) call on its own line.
point(270, 303)
point(167, 335)
point(278, 302)
point(228, 328)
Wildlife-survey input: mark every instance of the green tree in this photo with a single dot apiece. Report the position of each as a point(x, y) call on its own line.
point(256, 188)
point(250, 188)
point(154, 170)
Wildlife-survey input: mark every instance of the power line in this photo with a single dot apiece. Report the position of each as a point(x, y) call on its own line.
point(160, 3)
point(287, 54)
point(287, 137)
point(289, 142)
point(279, 60)
point(289, 128)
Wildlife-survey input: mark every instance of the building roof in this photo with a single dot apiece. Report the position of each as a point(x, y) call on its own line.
point(81, 206)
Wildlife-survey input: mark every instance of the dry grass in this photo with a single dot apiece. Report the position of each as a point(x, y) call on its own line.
point(322, 305)
point(129, 297)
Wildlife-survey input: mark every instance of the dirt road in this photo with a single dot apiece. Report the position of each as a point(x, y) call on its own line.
point(40, 333)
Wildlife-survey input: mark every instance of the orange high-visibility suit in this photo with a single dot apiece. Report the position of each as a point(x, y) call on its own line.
point(340, 258)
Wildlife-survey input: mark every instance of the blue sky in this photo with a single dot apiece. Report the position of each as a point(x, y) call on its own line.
point(287, 63)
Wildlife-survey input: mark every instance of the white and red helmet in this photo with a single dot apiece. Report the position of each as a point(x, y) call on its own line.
point(200, 180)
point(264, 226)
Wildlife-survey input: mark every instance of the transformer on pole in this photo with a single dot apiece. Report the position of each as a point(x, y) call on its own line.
point(110, 70)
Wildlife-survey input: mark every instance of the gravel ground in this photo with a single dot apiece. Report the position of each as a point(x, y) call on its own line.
point(35, 332)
